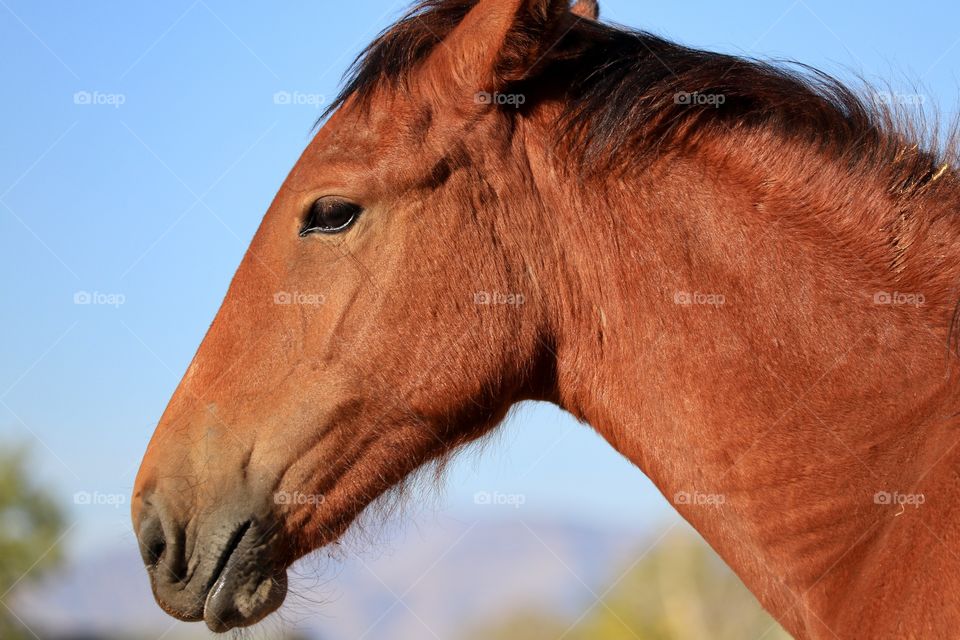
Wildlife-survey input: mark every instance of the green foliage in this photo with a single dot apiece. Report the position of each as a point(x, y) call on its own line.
point(680, 590)
point(30, 525)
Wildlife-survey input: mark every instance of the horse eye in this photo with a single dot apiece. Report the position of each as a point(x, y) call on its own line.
point(330, 215)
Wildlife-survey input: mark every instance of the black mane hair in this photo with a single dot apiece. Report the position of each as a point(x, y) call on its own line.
point(629, 94)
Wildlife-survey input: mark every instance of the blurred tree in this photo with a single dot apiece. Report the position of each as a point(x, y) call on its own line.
point(30, 525)
point(679, 591)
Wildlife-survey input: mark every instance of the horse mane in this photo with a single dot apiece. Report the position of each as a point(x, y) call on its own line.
point(621, 101)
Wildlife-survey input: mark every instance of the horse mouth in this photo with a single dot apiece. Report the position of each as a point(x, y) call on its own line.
point(246, 584)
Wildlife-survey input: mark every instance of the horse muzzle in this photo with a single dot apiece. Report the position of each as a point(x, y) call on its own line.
point(223, 570)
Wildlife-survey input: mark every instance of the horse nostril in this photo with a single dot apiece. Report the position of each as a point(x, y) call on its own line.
point(155, 551)
point(153, 541)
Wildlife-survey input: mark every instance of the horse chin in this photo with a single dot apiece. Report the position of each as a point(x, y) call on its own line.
point(249, 588)
point(226, 609)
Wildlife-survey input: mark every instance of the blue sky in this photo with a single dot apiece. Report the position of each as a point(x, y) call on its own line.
point(142, 143)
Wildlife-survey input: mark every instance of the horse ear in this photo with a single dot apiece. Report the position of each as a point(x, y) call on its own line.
point(589, 9)
point(497, 42)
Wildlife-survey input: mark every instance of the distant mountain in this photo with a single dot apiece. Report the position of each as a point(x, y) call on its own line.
point(436, 578)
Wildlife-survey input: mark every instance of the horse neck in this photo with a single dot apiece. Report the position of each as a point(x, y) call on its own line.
point(728, 333)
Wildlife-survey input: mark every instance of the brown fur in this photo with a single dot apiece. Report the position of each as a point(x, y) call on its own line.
point(602, 201)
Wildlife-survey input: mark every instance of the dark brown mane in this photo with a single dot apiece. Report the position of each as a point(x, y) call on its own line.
point(620, 93)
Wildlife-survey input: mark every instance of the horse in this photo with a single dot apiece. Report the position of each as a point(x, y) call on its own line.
point(743, 275)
